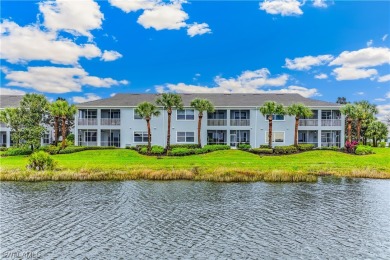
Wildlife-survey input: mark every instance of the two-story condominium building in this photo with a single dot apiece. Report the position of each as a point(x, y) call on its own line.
point(237, 119)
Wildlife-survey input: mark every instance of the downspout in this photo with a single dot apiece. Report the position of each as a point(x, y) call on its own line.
point(255, 128)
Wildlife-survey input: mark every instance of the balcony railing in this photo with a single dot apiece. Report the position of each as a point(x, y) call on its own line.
point(111, 143)
point(308, 122)
point(331, 122)
point(240, 122)
point(88, 143)
point(87, 121)
point(216, 122)
point(110, 121)
point(329, 144)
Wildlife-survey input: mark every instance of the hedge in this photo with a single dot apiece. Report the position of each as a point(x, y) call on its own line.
point(305, 147)
point(244, 146)
point(261, 150)
point(285, 149)
point(264, 146)
point(382, 145)
point(13, 151)
point(363, 150)
point(189, 146)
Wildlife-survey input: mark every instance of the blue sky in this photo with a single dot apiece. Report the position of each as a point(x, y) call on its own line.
point(85, 50)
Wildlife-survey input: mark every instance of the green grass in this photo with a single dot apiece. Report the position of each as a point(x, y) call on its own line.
point(230, 165)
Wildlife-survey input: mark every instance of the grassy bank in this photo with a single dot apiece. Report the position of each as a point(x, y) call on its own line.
point(230, 165)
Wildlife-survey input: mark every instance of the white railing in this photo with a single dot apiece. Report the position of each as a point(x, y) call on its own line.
point(87, 121)
point(331, 122)
point(216, 122)
point(111, 143)
point(88, 143)
point(240, 122)
point(329, 144)
point(308, 122)
point(110, 121)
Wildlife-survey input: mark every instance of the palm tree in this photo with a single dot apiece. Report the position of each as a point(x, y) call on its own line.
point(349, 110)
point(55, 111)
point(169, 101)
point(201, 105)
point(65, 111)
point(298, 110)
point(147, 110)
point(377, 131)
point(364, 112)
point(269, 109)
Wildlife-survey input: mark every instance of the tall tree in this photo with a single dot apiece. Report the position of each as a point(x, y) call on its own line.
point(269, 109)
point(298, 110)
point(365, 114)
point(349, 110)
point(169, 101)
point(55, 113)
point(201, 105)
point(64, 111)
point(377, 131)
point(12, 117)
point(147, 110)
point(342, 101)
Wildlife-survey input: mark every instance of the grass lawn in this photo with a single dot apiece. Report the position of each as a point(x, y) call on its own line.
point(228, 165)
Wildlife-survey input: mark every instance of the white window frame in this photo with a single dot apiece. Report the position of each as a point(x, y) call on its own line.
point(142, 136)
point(185, 115)
point(86, 133)
point(284, 118)
point(273, 137)
point(185, 137)
point(44, 138)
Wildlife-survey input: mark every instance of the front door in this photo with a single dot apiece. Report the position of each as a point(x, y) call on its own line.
point(233, 140)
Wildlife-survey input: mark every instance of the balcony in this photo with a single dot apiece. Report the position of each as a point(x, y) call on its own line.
point(87, 121)
point(110, 121)
point(240, 122)
point(331, 122)
point(216, 122)
point(3, 125)
point(308, 122)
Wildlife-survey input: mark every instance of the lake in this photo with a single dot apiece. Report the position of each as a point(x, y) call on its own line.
point(334, 218)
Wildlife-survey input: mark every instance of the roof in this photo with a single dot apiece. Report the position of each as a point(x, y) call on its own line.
point(219, 100)
point(10, 100)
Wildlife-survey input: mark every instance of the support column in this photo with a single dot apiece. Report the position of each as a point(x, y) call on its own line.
point(99, 132)
point(228, 127)
point(8, 138)
point(319, 138)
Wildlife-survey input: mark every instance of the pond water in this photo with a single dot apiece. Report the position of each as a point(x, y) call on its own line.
point(334, 218)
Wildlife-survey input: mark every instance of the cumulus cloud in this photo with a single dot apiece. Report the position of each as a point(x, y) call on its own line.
point(369, 43)
point(133, 5)
point(282, 7)
point(388, 94)
point(320, 3)
point(9, 91)
point(321, 76)
point(305, 63)
point(76, 18)
point(380, 99)
point(351, 73)
point(384, 37)
point(384, 78)
point(57, 79)
point(198, 29)
point(110, 56)
point(384, 110)
point(28, 43)
point(88, 97)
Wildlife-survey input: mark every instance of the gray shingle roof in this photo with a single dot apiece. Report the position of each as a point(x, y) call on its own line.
point(219, 100)
point(10, 100)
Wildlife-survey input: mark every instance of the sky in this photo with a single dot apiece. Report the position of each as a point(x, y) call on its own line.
point(84, 50)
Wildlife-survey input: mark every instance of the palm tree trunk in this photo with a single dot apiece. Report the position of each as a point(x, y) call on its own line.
point(63, 132)
point(149, 136)
point(270, 132)
point(56, 130)
point(359, 126)
point(349, 129)
point(199, 128)
point(296, 131)
point(169, 130)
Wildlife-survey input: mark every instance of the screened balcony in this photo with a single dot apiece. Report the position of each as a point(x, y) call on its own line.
point(218, 118)
point(87, 117)
point(239, 137)
point(239, 118)
point(310, 121)
point(110, 138)
point(216, 137)
point(87, 137)
point(330, 138)
point(110, 117)
point(308, 137)
point(330, 118)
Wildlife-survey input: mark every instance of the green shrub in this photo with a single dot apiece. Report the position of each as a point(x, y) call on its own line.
point(200, 151)
point(138, 147)
point(216, 147)
point(244, 146)
point(72, 149)
point(261, 150)
point(181, 152)
point(41, 161)
point(363, 150)
point(143, 150)
point(70, 138)
point(13, 151)
point(3, 149)
point(285, 149)
point(157, 150)
point(189, 146)
point(264, 146)
point(382, 144)
point(332, 148)
point(51, 149)
point(369, 143)
point(305, 147)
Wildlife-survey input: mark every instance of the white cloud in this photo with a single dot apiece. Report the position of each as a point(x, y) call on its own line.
point(388, 94)
point(368, 57)
point(384, 37)
point(282, 7)
point(110, 55)
point(384, 110)
point(361, 93)
point(198, 29)
point(380, 99)
point(88, 97)
point(320, 3)
point(369, 43)
point(9, 91)
point(321, 76)
point(113, 95)
point(147, 90)
point(384, 78)
point(162, 17)
point(133, 5)
point(350, 73)
point(28, 43)
point(57, 79)
point(305, 63)
point(78, 18)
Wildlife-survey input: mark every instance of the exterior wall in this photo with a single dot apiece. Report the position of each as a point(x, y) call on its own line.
point(258, 127)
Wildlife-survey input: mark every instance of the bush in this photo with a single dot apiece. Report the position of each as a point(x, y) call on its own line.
point(138, 147)
point(261, 150)
point(216, 147)
point(70, 138)
point(363, 150)
point(200, 151)
point(244, 146)
point(264, 146)
point(332, 148)
point(285, 149)
point(51, 149)
point(181, 152)
point(41, 161)
point(157, 150)
point(305, 147)
point(189, 146)
point(143, 150)
point(13, 151)
point(350, 146)
point(3, 149)
point(382, 144)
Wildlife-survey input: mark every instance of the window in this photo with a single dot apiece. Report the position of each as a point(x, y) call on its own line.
point(136, 116)
point(276, 117)
point(185, 137)
point(140, 137)
point(90, 136)
point(277, 137)
point(87, 113)
point(46, 138)
point(187, 114)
